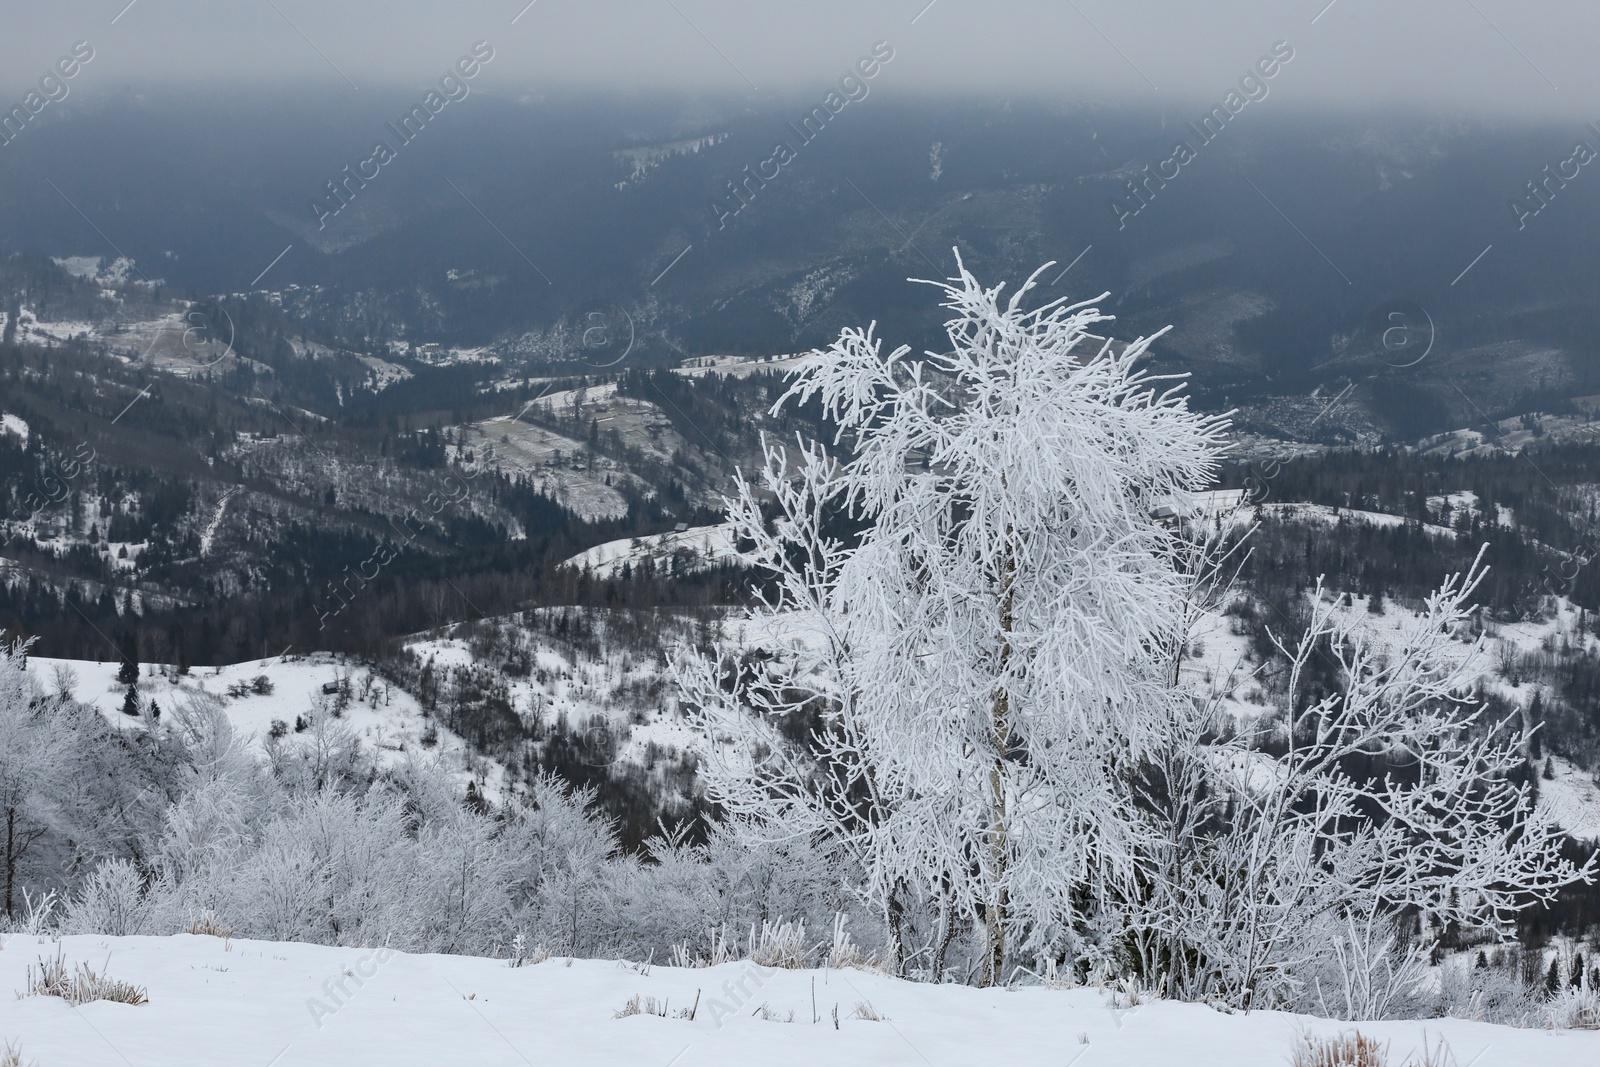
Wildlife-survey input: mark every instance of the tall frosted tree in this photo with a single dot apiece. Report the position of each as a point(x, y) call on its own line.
point(43, 752)
point(976, 673)
point(1393, 801)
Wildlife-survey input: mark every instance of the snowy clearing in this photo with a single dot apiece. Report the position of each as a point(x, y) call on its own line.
point(699, 547)
point(742, 366)
point(559, 465)
point(218, 1003)
point(389, 721)
point(209, 537)
point(1572, 799)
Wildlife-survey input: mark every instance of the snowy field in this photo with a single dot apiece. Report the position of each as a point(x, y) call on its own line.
point(556, 463)
point(617, 698)
point(216, 1003)
point(1573, 800)
point(389, 721)
point(742, 366)
point(698, 546)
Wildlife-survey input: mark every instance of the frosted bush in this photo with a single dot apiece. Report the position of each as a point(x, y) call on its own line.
point(780, 944)
point(1494, 993)
point(37, 917)
point(1354, 1049)
point(1573, 1009)
point(82, 985)
point(844, 952)
point(1366, 970)
point(111, 901)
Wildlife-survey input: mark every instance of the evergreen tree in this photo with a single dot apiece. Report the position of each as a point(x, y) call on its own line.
point(130, 701)
point(128, 674)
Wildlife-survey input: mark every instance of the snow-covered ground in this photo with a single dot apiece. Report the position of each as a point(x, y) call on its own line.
point(209, 537)
point(30, 326)
point(555, 453)
point(742, 366)
point(1515, 434)
point(216, 1003)
point(617, 695)
point(1573, 799)
point(1238, 505)
point(559, 465)
point(645, 158)
point(389, 721)
point(384, 373)
point(97, 269)
point(1467, 501)
point(698, 546)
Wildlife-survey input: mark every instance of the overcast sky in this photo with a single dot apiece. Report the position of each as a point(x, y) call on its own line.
point(1490, 58)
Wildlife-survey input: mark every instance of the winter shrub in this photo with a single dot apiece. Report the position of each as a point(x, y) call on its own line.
point(524, 955)
point(1364, 970)
point(69, 789)
point(720, 951)
point(732, 881)
point(82, 986)
point(318, 848)
point(11, 1056)
point(781, 944)
point(1573, 1009)
point(638, 1006)
point(1353, 1049)
point(1494, 993)
point(110, 901)
point(844, 952)
point(206, 925)
point(38, 914)
point(1127, 995)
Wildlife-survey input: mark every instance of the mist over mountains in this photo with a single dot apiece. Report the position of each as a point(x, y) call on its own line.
point(1269, 251)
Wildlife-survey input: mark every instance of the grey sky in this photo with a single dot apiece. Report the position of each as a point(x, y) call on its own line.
point(1472, 57)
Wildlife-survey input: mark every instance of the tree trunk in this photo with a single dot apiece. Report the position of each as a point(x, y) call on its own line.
point(896, 933)
point(947, 925)
point(11, 856)
point(994, 919)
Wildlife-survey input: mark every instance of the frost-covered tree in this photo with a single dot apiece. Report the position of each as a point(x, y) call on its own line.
point(1390, 798)
point(29, 764)
point(73, 789)
point(562, 851)
point(65, 680)
point(45, 745)
point(974, 676)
